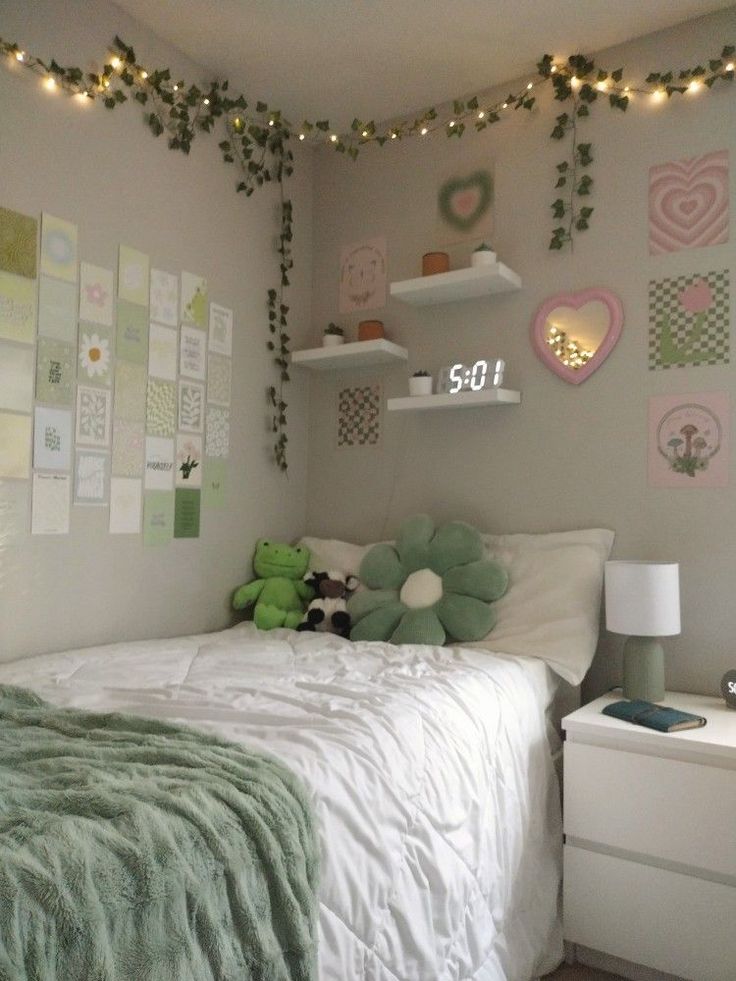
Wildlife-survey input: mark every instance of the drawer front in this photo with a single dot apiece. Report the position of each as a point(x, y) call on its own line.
point(675, 923)
point(675, 812)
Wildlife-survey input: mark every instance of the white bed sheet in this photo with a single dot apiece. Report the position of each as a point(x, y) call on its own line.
point(431, 774)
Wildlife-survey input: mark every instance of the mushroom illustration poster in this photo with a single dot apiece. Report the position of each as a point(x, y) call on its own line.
point(57, 309)
point(688, 203)
point(58, 248)
point(689, 440)
point(18, 234)
point(363, 276)
point(95, 294)
point(465, 205)
point(15, 439)
point(194, 300)
point(95, 354)
point(689, 320)
point(133, 276)
point(164, 307)
point(17, 308)
point(50, 510)
point(359, 416)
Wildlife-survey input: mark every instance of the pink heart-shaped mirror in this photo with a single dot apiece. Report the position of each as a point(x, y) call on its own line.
point(573, 333)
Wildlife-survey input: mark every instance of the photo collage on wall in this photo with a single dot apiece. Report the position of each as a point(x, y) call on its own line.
point(689, 322)
point(110, 400)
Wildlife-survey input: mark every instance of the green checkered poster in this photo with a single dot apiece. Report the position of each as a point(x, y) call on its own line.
point(689, 320)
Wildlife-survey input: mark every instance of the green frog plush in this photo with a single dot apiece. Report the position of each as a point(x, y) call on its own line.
point(279, 593)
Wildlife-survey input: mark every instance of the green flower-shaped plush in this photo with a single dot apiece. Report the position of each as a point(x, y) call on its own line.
point(433, 584)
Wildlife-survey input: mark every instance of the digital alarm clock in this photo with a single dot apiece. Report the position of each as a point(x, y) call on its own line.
point(473, 378)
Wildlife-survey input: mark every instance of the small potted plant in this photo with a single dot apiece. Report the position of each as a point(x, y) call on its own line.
point(483, 255)
point(420, 383)
point(333, 335)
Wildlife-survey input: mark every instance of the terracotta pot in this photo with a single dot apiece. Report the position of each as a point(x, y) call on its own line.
point(435, 262)
point(370, 330)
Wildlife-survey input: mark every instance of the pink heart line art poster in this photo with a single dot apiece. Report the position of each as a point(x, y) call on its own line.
point(689, 203)
point(688, 440)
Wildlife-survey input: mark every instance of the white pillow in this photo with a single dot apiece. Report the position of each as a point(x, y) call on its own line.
point(551, 609)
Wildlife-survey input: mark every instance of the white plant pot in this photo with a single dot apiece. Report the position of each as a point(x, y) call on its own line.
point(420, 386)
point(332, 340)
point(483, 258)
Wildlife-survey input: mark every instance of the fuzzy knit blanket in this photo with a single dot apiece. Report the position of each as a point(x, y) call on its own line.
point(132, 850)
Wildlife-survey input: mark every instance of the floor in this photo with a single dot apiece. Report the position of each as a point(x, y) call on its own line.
point(579, 972)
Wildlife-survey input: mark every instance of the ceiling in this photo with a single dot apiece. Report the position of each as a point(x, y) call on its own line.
point(380, 58)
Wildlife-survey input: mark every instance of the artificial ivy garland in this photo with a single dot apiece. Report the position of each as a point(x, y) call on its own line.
point(257, 141)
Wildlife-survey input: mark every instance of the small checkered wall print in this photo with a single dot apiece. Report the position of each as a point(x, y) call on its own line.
point(689, 320)
point(359, 416)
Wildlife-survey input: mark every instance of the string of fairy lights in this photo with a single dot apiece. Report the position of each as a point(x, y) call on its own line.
point(576, 76)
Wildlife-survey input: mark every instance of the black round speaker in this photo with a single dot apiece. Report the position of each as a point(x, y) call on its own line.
point(728, 688)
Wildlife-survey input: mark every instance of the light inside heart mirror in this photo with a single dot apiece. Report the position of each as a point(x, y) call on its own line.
point(573, 333)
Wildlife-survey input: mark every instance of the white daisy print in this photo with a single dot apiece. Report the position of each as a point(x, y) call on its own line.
point(94, 355)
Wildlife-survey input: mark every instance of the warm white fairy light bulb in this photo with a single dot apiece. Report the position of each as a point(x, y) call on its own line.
point(20, 56)
point(334, 138)
point(694, 86)
point(301, 136)
point(50, 83)
point(602, 85)
point(451, 123)
point(115, 62)
point(505, 105)
point(176, 88)
point(365, 133)
point(144, 75)
point(394, 135)
point(206, 101)
point(575, 82)
point(730, 66)
point(423, 131)
point(530, 85)
point(271, 122)
point(657, 95)
point(481, 114)
point(553, 69)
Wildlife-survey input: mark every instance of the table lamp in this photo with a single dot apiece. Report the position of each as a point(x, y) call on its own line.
point(643, 600)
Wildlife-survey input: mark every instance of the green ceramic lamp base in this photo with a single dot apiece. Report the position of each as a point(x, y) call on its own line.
point(644, 669)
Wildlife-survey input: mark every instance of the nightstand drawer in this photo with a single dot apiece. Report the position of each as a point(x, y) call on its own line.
point(675, 923)
point(672, 811)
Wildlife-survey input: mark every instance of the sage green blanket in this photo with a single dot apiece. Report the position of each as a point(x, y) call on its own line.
point(131, 850)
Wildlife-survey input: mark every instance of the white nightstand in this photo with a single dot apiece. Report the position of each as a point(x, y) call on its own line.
point(650, 839)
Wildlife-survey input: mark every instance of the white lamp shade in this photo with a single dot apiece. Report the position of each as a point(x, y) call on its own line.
point(643, 598)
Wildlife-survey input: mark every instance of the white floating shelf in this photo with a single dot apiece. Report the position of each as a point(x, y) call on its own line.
point(459, 284)
point(461, 400)
point(360, 354)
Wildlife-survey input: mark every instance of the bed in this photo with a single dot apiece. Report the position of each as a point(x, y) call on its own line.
point(431, 771)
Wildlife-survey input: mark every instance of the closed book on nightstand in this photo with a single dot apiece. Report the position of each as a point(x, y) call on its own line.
point(663, 718)
point(650, 838)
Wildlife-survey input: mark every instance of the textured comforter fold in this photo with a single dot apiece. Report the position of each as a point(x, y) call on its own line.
point(131, 849)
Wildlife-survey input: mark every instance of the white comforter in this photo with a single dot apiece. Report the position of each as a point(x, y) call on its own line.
point(431, 773)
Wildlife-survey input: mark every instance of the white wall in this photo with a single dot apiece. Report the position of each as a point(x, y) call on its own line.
point(569, 456)
point(105, 171)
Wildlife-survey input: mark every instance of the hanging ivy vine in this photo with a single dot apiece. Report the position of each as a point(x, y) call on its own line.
point(257, 141)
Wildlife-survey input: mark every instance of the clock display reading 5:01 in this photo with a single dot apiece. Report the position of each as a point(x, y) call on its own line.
point(476, 377)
